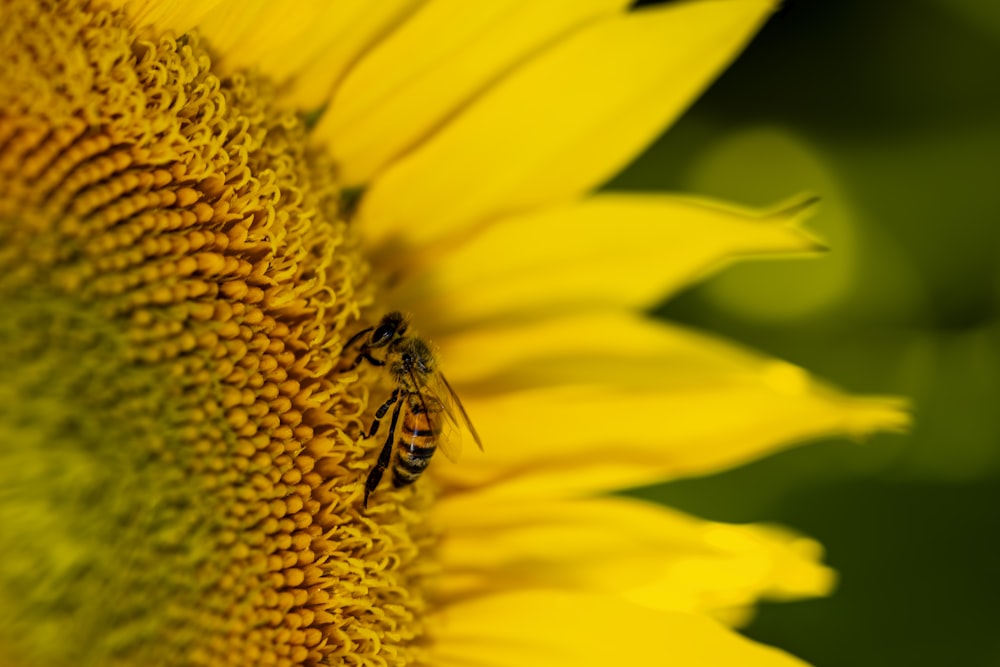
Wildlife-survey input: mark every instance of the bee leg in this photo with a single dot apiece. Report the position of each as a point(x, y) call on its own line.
point(375, 476)
point(364, 356)
point(381, 412)
point(356, 337)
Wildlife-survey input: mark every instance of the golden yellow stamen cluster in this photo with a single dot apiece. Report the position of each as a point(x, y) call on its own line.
point(181, 478)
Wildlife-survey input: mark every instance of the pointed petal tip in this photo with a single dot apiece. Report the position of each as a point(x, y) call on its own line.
point(856, 416)
point(798, 207)
point(793, 212)
point(811, 244)
point(866, 415)
point(817, 247)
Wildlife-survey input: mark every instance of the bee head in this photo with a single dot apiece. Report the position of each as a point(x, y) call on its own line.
point(391, 326)
point(416, 355)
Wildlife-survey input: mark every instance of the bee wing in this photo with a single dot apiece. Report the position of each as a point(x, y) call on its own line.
point(456, 419)
point(465, 421)
point(449, 440)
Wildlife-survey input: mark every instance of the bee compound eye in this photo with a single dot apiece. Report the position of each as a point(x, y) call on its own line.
point(392, 326)
point(383, 334)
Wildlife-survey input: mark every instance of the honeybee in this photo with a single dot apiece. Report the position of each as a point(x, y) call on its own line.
point(432, 415)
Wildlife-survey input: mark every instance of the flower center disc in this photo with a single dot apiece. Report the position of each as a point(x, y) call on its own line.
point(180, 471)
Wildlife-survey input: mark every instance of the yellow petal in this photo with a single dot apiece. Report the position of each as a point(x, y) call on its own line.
point(607, 250)
point(259, 34)
point(547, 628)
point(564, 122)
point(177, 16)
point(561, 349)
point(350, 28)
point(646, 553)
point(591, 423)
point(309, 48)
point(444, 55)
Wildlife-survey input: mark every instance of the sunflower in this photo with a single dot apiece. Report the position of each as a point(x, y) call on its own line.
point(206, 206)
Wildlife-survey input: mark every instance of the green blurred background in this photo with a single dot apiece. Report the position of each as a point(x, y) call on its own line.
point(889, 110)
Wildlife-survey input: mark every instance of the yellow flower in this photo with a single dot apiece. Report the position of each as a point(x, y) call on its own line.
point(202, 202)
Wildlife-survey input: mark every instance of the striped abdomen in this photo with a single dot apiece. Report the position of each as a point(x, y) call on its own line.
point(417, 439)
